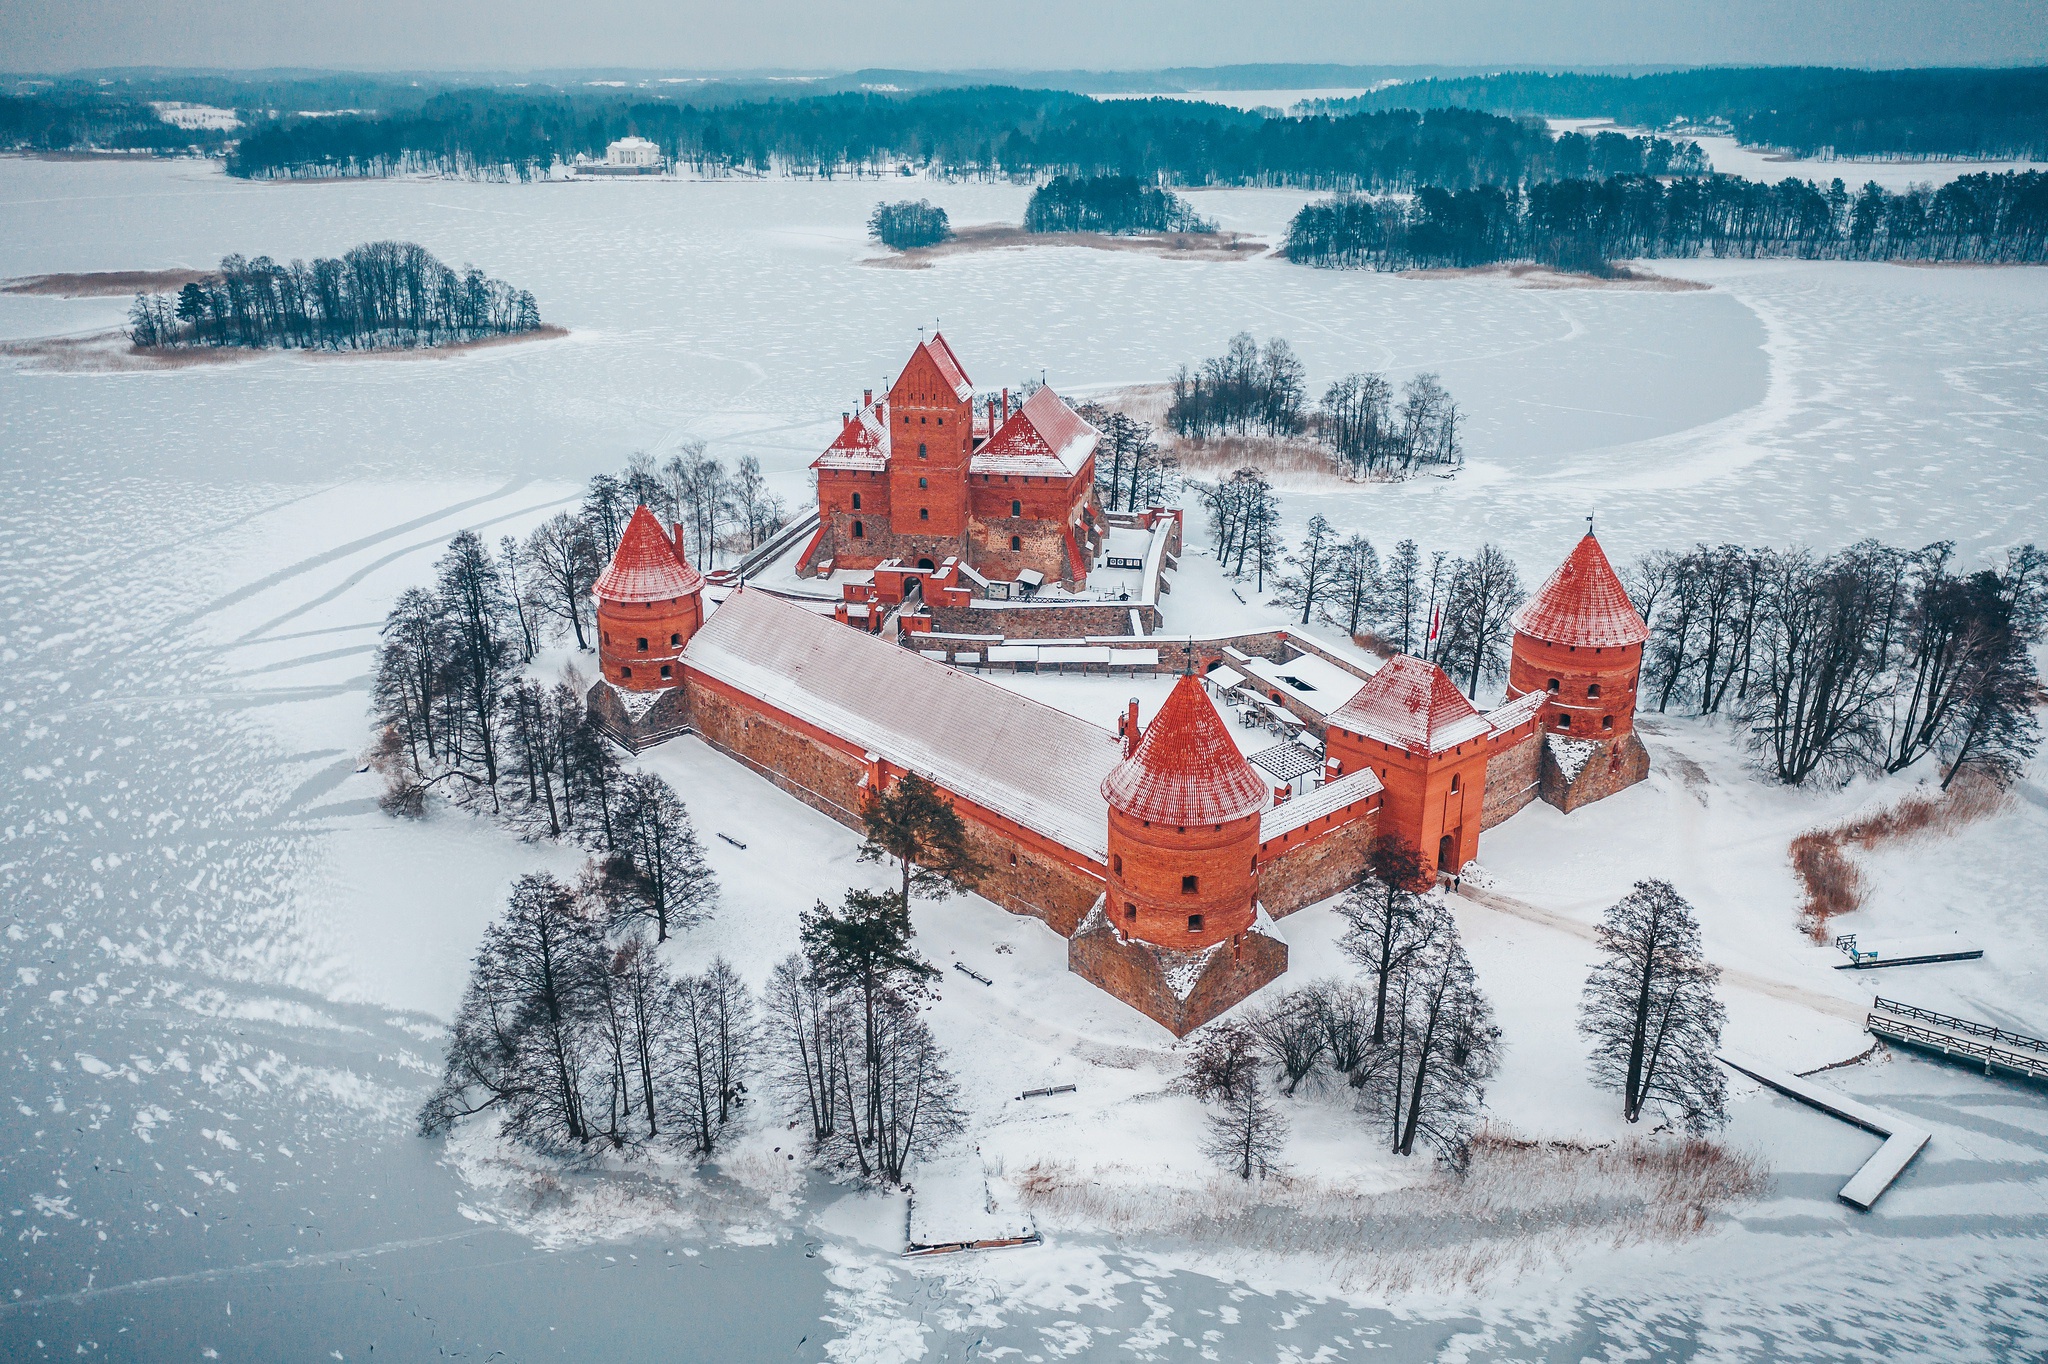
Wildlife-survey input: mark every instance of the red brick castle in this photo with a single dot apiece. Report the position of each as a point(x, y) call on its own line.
point(1155, 848)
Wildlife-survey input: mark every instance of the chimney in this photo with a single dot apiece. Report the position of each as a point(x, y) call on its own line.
point(1281, 794)
point(1006, 404)
point(991, 416)
point(1127, 728)
point(677, 539)
point(867, 397)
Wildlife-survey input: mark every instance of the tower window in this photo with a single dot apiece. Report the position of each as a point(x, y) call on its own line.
point(1016, 507)
point(1188, 884)
point(924, 513)
point(642, 646)
point(920, 450)
point(1194, 923)
point(921, 483)
point(1593, 692)
point(1116, 863)
point(1607, 722)
point(1454, 781)
point(1130, 910)
point(1016, 542)
point(856, 501)
point(1553, 686)
point(856, 530)
point(625, 674)
point(665, 671)
point(675, 641)
point(1564, 722)
point(942, 421)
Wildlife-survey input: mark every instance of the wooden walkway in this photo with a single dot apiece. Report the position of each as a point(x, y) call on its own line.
point(1960, 1039)
point(1902, 1140)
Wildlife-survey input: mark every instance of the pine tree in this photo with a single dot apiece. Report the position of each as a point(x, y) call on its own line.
point(913, 825)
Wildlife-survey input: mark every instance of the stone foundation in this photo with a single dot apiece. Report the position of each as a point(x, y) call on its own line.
point(1514, 778)
point(1613, 765)
point(630, 727)
point(1180, 991)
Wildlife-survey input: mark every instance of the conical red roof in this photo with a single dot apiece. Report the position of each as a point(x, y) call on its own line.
point(646, 566)
point(1583, 604)
point(1185, 770)
point(1411, 704)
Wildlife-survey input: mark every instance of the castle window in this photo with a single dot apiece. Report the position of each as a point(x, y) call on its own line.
point(1553, 686)
point(665, 671)
point(1016, 507)
point(1013, 857)
point(625, 674)
point(942, 421)
point(924, 513)
point(856, 530)
point(642, 646)
point(921, 483)
point(1016, 542)
point(1116, 863)
point(856, 501)
point(1194, 923)
point(1188, 884)
point(920, 450)
point(675, 641)
point(1454, 781)
point(1564, 722)
point(1593, 692)
point(1607, 722)
point(1130, 910)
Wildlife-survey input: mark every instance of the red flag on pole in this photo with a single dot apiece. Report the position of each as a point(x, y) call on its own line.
point(1435, 617)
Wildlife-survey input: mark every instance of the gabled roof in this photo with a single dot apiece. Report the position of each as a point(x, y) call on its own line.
point(1583, 604)
point(1413, 705)
point(862, 443)
point(1186, 769)
point(948, 365)
point(1024, 760)
point(646, 566)
point(1044, 436)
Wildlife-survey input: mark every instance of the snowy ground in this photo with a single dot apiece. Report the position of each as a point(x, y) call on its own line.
point(224, 970)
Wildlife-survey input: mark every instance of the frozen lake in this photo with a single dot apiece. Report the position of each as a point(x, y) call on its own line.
point(223, 969)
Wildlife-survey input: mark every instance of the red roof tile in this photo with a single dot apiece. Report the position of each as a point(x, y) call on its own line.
point(949, 365)
point(1186, 769)
point(1044, 436)
point(1583, 604)
point(862, 442)
point(646, 566)
point(1412, 704)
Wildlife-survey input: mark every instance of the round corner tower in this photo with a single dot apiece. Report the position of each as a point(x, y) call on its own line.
point(1580, 640)
point(649, 602)
point(1184, 809)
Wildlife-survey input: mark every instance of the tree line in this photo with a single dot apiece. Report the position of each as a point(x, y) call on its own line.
point(984, 130)
point(1117, 204)
point(1813, 111)
point(378, 295)
point(909, 224)
point(1263, 390)
point(1413, 1037)
point(1866, 660)
point(1583, 224)
point(80, 118)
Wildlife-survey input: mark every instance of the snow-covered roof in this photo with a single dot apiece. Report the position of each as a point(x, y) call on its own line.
point(1315, 682)
point(1007, 753)
point(862, 443)
point(950, 368)
point(1284, 819)
point(646, 566)
point(1583, 604)
point(1509, 714)
point(1043, 437)
point(1414, 705)
point(1186, 768)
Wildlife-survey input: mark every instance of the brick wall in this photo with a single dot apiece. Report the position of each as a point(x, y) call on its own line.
point(1514, 777)
point(1136, 973)
point(1047, 622)
point(1324, 865)
point(1615, 765)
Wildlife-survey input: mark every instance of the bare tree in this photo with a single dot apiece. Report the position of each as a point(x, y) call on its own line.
point(805, 1023)
point(677, 890)
point(715, 1034)
point(1355, 585)
point(1290, 1034)
point(1651, 1012)
point(1485, 591)
point(1224, 1058)
point(1245, 1133)
point(1313, 570)
point(562, 563)
point(1402, 615)
point(1443, 1049)
point(1390, 922)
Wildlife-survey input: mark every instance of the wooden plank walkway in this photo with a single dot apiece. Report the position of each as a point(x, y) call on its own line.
point(1962, 1039)
point(1902, 1140)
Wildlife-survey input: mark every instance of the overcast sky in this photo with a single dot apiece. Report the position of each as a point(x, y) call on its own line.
point(1094, 34)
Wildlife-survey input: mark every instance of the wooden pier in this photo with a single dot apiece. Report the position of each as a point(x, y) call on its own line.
point(1961, 1039)
point(1902, 1140)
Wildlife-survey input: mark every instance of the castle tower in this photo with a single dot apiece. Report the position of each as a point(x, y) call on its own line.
point(931, 437)
point(1580, 641)
point(1429, 746)
point(649, 603)
point(1176, 933)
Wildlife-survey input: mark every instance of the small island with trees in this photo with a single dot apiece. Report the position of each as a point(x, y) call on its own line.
point(1106, 212)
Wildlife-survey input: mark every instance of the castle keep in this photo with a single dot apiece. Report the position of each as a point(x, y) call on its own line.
point(1152, 846)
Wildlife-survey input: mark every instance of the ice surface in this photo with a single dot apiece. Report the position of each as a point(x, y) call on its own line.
point(202, 898)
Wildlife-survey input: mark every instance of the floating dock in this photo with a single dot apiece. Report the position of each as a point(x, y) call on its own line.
point(1870, 954)
point(1902, 1140)
point(1960, 1039)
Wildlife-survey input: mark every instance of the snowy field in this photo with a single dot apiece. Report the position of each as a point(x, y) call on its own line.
point(224, 971)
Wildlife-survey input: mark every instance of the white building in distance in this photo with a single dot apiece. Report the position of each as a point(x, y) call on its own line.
point(634, 153)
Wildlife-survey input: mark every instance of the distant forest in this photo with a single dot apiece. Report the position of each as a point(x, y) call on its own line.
point(1809, 110)
point(987, 131)
point(76, 119)
point(1584, 224)
point(1117, 204)
point(379, 295)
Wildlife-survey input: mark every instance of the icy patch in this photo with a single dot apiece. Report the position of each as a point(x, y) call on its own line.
point(558, 1204)
point(1570, 755)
